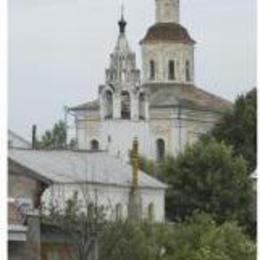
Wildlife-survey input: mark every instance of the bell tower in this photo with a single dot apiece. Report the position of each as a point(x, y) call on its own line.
point(167, 11)
point(167, 48)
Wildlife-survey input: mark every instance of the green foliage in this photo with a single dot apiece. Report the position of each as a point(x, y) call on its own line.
point(197, 238)
point(238, 128)
point(56, 138)
point(207, 177)
point(200, 237)
point(148, 166)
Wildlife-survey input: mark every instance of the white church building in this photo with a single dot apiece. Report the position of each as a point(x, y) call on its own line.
point(162, 107)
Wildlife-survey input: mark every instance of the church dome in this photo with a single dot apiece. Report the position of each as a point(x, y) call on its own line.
point(167, 32)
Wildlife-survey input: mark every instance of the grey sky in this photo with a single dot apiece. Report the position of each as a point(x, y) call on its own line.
point(59, 50)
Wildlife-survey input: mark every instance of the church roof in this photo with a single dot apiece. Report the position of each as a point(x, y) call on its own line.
point(67, 167)
point(189, 96)
point(167, 32)
point(92, 105)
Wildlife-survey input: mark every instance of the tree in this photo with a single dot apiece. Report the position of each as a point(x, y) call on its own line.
point(199, 237)
point(55, 138)
point(207, 177)
point(77, 225)
point(238, 128)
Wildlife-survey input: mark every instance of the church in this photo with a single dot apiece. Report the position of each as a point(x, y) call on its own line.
point(161, 105)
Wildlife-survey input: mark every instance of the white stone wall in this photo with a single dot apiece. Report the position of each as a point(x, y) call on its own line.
point(161, 54)
point(108, 196)
point(167, 11)
point(116, 136)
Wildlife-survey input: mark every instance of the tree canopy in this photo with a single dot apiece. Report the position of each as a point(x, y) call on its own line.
point(200, 237)
point(238, 128)
point(55, 138)
point(207, 177)
point(197, 238)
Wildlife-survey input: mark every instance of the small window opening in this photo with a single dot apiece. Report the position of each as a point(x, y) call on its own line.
point(152, 70)
point(94, 145)
point(171, 70)
point(125, 105)
point(187, 69)
point(160, 146)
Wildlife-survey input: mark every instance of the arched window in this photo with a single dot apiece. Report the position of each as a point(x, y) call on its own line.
point(94, 145)
point(109, 104)
point(152, 69)
point(119, 212)
point(171, 68)
point(125, 105)
point(187, 70)
point(151, 212)
point(160, 149)
point(142, 106)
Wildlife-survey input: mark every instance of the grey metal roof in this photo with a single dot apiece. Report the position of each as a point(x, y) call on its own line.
point(190, 96)
point(75, 167)
point(92, 105)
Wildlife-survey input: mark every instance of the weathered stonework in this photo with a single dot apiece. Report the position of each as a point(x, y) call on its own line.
point(167, 11)
point(165, 111)
point(162, 53)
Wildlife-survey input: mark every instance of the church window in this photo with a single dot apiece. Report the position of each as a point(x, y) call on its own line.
point(125, 105)
point(109, 105)
point(142, 106)
point(160, 149)
point(152, 69)
point(151, 212)
point(171, 70)
point(187, 70)
point(119, 212)
point(94, 145)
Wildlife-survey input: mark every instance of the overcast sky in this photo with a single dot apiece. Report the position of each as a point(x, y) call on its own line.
point(59, 50)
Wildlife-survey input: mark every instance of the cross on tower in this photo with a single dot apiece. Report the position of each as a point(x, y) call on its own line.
point(122, 23)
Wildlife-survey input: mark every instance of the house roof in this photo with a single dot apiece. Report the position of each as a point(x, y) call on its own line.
point(12, 135)
point(92, 105)
point(167, 32)
point(75, 167)
point(185, 95)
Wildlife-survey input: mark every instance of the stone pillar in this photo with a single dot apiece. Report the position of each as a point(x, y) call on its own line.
point(135, 196)
point(135, 205)
point(147, 115)
point(117, 106)
point(33, 247)
point(134, 107)
point(102, 106)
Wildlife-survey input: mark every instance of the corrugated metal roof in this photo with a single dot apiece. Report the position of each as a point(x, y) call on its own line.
point(75, 167)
